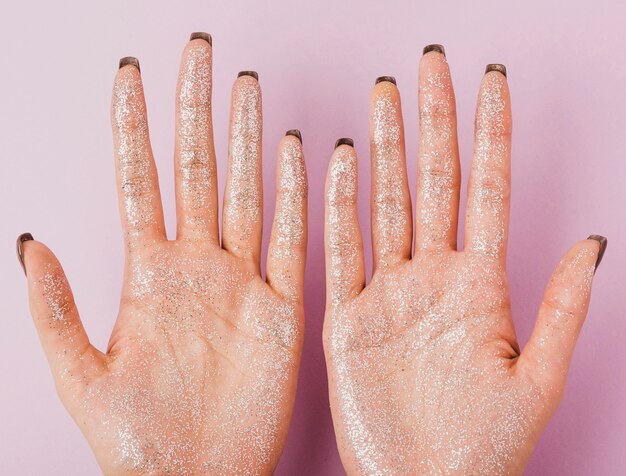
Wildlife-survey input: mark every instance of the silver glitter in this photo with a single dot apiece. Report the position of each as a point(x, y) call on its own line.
point(137, 175)
point(391, 202)
point(422, 362)
point(438, 167)
point(243, 197)
point(489, 185)
point(201, 368)
point(196, 168)
point(287, 249)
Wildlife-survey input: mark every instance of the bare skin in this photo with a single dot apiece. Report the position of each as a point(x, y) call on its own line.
point(200, 373)
point(425, 372)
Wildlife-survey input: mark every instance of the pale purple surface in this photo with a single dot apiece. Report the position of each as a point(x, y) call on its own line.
point(317, 63)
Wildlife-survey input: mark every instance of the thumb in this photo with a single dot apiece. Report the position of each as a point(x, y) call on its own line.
point(562, 313)
point(65, 343)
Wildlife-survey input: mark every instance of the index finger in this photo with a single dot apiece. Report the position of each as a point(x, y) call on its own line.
point(138, 183)
point(489, 188)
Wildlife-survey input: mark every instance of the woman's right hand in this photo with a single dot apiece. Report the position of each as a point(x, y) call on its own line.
point(200, 373)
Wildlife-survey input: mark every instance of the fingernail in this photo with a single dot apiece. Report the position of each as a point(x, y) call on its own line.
point(254, 74)
point(295, 133)
point(20, 251)
point(201, 35)
point(437, 48)
point(389, 79)
point(344, 141)
point(603, 241)
point(129, 60)
point(500, 68)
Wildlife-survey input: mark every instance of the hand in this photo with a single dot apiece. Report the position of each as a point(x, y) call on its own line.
point(425, 372)
point(200, 373)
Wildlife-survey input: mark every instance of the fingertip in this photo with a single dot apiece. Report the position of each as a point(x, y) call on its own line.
point(495, 74)
point(128, 68)
point(435, 49)
point(385, 89)
point(249, 76)
point(194, 86)
point(344, 154)
point(198, 36)
point(433, 58)
point(343, 159)
point(562, 313)
point(433, 72)
point(495, 82)
point(246, 96)
point(342, 237)
point(291, 168)
point(570, 284)
point(385, 81)
point(127, 94)
point(294, 133)
point(49, 291)
point(291, 144)
point(344, 141)
point(494, 105)
point(19, 248)
point(287, 248)
point(435, 84)
point(342, 175)
point(199, 45)
point(129, 62)
point(290, 149)
point(496, 68)
point(33, 255)
point(56, 318)
point(584, 252)
point(386, 126)
point(583, 259)
point(197, 48)
point(601, 243)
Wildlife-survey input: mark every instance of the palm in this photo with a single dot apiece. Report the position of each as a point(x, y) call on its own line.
point(190, 356)
point(200, 373)
point(425, 373)
point(440, 348)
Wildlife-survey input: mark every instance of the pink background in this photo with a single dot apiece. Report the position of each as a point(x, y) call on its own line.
point(317, 62)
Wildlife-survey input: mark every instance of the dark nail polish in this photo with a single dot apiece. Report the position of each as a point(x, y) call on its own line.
point(389, 79)
point(437, 48)
point(254, 74)
point(603, 241)
point(130, 60)
point(295, 133)
point(500, 68)
point(202, 36)
point(20, 252)
point(344, 141)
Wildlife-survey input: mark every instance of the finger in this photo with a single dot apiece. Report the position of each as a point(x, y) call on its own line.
point(194, 155)
point(345, 267)
point(490, 178)
point(287, 249)
point(562, 313)
point(65, 343)
point(390, 199)
point(137, 180)
point(439, 172)
point(243, 197)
